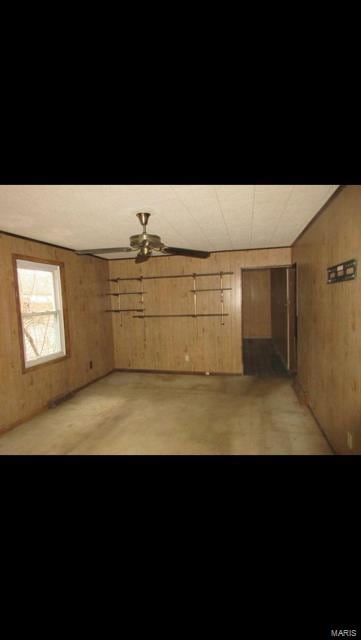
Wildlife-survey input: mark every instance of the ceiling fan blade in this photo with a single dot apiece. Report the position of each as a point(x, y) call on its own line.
point(111, 250)
point(192, 253)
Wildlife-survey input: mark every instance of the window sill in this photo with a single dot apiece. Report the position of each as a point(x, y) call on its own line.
point(44, 364)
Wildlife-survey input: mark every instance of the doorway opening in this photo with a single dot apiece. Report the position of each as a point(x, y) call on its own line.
point(269, 321)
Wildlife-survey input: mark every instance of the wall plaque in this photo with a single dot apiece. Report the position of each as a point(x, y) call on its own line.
point(341, 272)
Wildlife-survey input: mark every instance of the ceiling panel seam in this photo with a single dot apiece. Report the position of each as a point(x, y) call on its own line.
point(275, 228)
point(224, 220)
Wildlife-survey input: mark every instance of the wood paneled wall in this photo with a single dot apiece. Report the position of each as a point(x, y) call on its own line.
point(256, 287)
point(24, 394)
point(186, 344)
point(329, 319)
point(279, 311)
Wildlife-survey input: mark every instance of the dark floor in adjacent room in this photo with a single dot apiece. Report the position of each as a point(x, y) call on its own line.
point(261, 358)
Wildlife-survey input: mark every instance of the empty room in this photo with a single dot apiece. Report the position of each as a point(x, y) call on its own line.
point(180, 319)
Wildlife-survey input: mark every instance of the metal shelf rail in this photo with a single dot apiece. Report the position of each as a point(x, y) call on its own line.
point(182, 275)
point(126, 293)
point(182, 315)
point(194, 291)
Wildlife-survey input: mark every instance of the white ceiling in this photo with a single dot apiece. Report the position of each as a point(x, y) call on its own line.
point(208, 217)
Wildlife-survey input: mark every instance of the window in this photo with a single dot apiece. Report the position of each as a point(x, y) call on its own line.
point(40, 305)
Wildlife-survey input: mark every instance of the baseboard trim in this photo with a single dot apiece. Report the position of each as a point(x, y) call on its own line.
point(17, 423)
point(84, 386)
point(303, 397)
point(300, 392)
point(45, 407)
point(186, 373)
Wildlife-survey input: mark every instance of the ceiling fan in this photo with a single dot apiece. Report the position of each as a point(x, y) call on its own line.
point(146, 243)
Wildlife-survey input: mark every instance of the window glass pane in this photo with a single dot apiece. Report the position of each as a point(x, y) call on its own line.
point(41, 311)
point(41, 336)
point(36, 291)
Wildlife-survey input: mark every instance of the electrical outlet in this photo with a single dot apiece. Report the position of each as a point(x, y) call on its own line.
point(186, 357)
point(349, 440)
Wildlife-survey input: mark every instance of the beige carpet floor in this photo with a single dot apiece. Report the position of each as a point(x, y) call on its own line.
point(140, 413)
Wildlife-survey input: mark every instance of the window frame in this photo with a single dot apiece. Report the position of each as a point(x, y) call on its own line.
point(61, 304)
